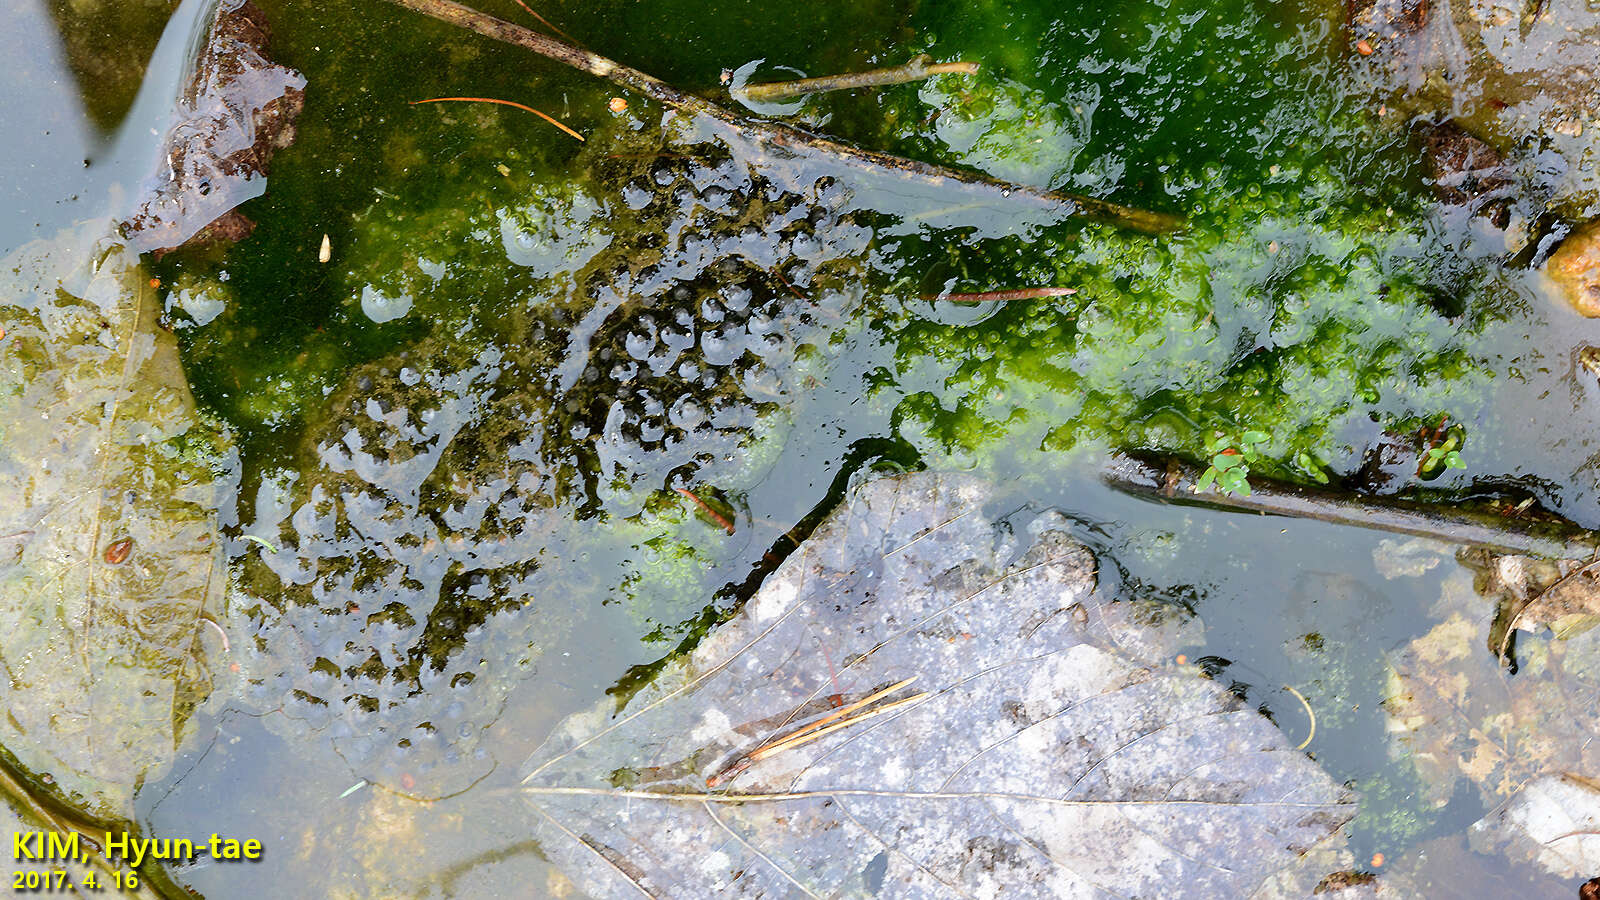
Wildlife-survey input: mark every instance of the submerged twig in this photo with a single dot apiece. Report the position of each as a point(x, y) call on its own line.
point(548, 118)
point(627, 794)
point(20, 792)
point(793, 741)
point(1174, 481)
point(805, 734)
point(1001, 296)
point(839, 713)
point(917, 69)
point(776, 135)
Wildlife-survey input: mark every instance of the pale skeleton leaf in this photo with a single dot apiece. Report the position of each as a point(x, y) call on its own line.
point(1055, 755)
point(99, 652)
point(1529, 742)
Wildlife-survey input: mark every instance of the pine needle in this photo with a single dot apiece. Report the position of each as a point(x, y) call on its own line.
point(520, 106)
point(1309, 714)
point(545, 22)
point(808, 736)
point(719, 517)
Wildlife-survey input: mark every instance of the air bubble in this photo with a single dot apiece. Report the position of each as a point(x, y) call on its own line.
point(636, 195)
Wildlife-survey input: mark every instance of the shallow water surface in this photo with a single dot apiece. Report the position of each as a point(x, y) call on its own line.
point(466, 442)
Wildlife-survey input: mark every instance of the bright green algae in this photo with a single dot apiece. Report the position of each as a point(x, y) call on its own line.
point(1289, 312)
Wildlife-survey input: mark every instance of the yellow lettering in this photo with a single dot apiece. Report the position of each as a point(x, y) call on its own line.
point(117, 846)
point(252, 849)
point(230, 849)
point(19, 845)
point(62, 846)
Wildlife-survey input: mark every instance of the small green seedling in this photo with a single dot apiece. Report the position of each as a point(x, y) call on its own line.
point(1231, 457)
point(1450, 458)
point(1313, 465)
point(1441, 450)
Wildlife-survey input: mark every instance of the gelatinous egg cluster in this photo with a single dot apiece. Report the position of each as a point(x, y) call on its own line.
point(408, 575)
point(398, 594)
point(696, 316)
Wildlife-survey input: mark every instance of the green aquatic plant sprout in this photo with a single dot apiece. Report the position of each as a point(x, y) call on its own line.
point(1231, 457)
point(1441, 450)
point(1450, 459)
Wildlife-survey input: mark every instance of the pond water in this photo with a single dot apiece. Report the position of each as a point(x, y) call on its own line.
point(457, 514)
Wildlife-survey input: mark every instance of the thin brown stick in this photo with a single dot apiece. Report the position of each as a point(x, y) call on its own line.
point(921, 796)
point(721, 519)
point(1173, 481)
point(839, 713)
point(814, 730)
point(776, 136)
point(1001, 296)
point(551, 119)
point(915, 70)
point(792, 742)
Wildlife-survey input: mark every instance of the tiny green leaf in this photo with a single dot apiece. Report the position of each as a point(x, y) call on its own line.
point(1233, 480)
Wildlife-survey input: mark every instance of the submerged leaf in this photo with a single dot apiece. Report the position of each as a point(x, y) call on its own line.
point(1457, 713)
point(1571, 603)
point(1053, 751)
point(1555, 821)
point(109, 554)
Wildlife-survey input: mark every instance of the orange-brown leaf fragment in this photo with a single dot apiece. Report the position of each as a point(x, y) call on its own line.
point(119, 551)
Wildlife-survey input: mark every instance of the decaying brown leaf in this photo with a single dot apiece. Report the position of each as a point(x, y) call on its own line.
point(1056, 750)
point(104, 472)
point(1456, 712)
